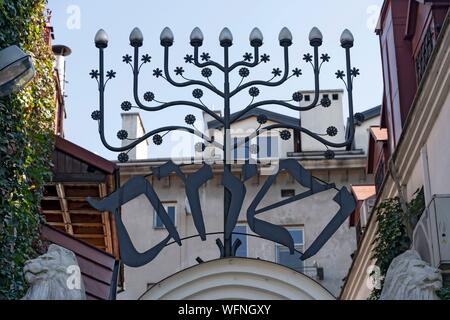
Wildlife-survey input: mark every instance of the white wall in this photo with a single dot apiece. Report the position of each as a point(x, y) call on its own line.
point(362, 133)
point(319, 119)
point(438, 151)
point(132, 123)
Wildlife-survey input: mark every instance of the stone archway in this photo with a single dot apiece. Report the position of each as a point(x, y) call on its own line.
point(238, 278)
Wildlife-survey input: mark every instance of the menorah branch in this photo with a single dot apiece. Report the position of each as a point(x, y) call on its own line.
point(187, 83)
point(247, 64)
point(205, 64)
point(267, 83)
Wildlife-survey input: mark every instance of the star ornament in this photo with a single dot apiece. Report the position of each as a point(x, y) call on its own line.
point(127, 58)
point(94, 74)
point(205, 56)
point(307, 57)
point(340, 74)
point(325, 57)
point(189, 58)
point(146, 58)
point(265, 58)
point(297, 72)
point(111, 74)
point(248, 56)
point(179, 71)
point(355, 72)
point(276, 72)
point(157, 72)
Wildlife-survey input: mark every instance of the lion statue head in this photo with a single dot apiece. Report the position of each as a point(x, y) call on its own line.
point(54, 276)
point(411, 278)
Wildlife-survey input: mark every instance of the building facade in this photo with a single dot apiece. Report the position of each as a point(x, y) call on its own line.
point(408, 151)
point(304, 219)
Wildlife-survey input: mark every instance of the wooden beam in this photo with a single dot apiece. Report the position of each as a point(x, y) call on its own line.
point(111, 185)
point(78, 224)
point(85, 211)
point(51, 211)
point(65, 208)
point(89, 236)
point(57, 224)
point(105, 220)
point(50, 198)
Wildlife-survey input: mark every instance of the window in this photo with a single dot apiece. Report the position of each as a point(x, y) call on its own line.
point(267, 147)
point(307, 97)
point(335, 96)
point(325, 96)
point(242, 250)
point(242, 151)
point(287, 193)
point(170, 209)
point(283, 255)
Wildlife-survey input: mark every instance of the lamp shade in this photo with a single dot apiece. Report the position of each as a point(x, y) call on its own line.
point(196, 37)
point(285, 37)
point(166, 37)
point(16, 70)
point(225, 38)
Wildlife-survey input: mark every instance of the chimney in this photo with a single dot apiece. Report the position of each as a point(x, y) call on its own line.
point(207, 118)
point(132, 123)
point(61, 52)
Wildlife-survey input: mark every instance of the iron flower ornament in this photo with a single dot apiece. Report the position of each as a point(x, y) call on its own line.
point(206, 72)
point(157, 139)
point(96, 115)
point(285, 135)
point(261, 119)
point(297, 96)
point(197, 93)
point(244, 72)
point(332, 131)
point(325, 102)
point(122, 134)
point(123, 157)
point(253, 92)
point(190, 119)
point(126, 106)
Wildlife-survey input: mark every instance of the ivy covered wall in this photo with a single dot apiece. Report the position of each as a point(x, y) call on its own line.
point(26, 142)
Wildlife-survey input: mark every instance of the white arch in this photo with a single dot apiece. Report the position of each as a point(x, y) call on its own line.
point(238, 278)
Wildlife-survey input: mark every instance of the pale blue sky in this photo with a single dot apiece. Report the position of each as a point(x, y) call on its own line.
point(118, 18)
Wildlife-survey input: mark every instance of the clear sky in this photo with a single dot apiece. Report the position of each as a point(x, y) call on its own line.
point(76, 21)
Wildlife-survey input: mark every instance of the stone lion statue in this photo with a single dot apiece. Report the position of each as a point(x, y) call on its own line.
point(411, 278)
point(54, 276)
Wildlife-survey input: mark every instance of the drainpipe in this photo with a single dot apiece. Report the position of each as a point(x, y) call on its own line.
point(402, 198)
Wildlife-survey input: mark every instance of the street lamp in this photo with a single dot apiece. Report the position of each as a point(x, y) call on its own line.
point(16, 70)
point(234, 190)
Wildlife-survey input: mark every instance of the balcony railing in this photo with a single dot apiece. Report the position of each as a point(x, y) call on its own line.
point(424, 54)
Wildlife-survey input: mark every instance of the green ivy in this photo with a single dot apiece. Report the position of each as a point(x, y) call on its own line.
point(444, 293)
point(391, 238)
point(26, 143)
